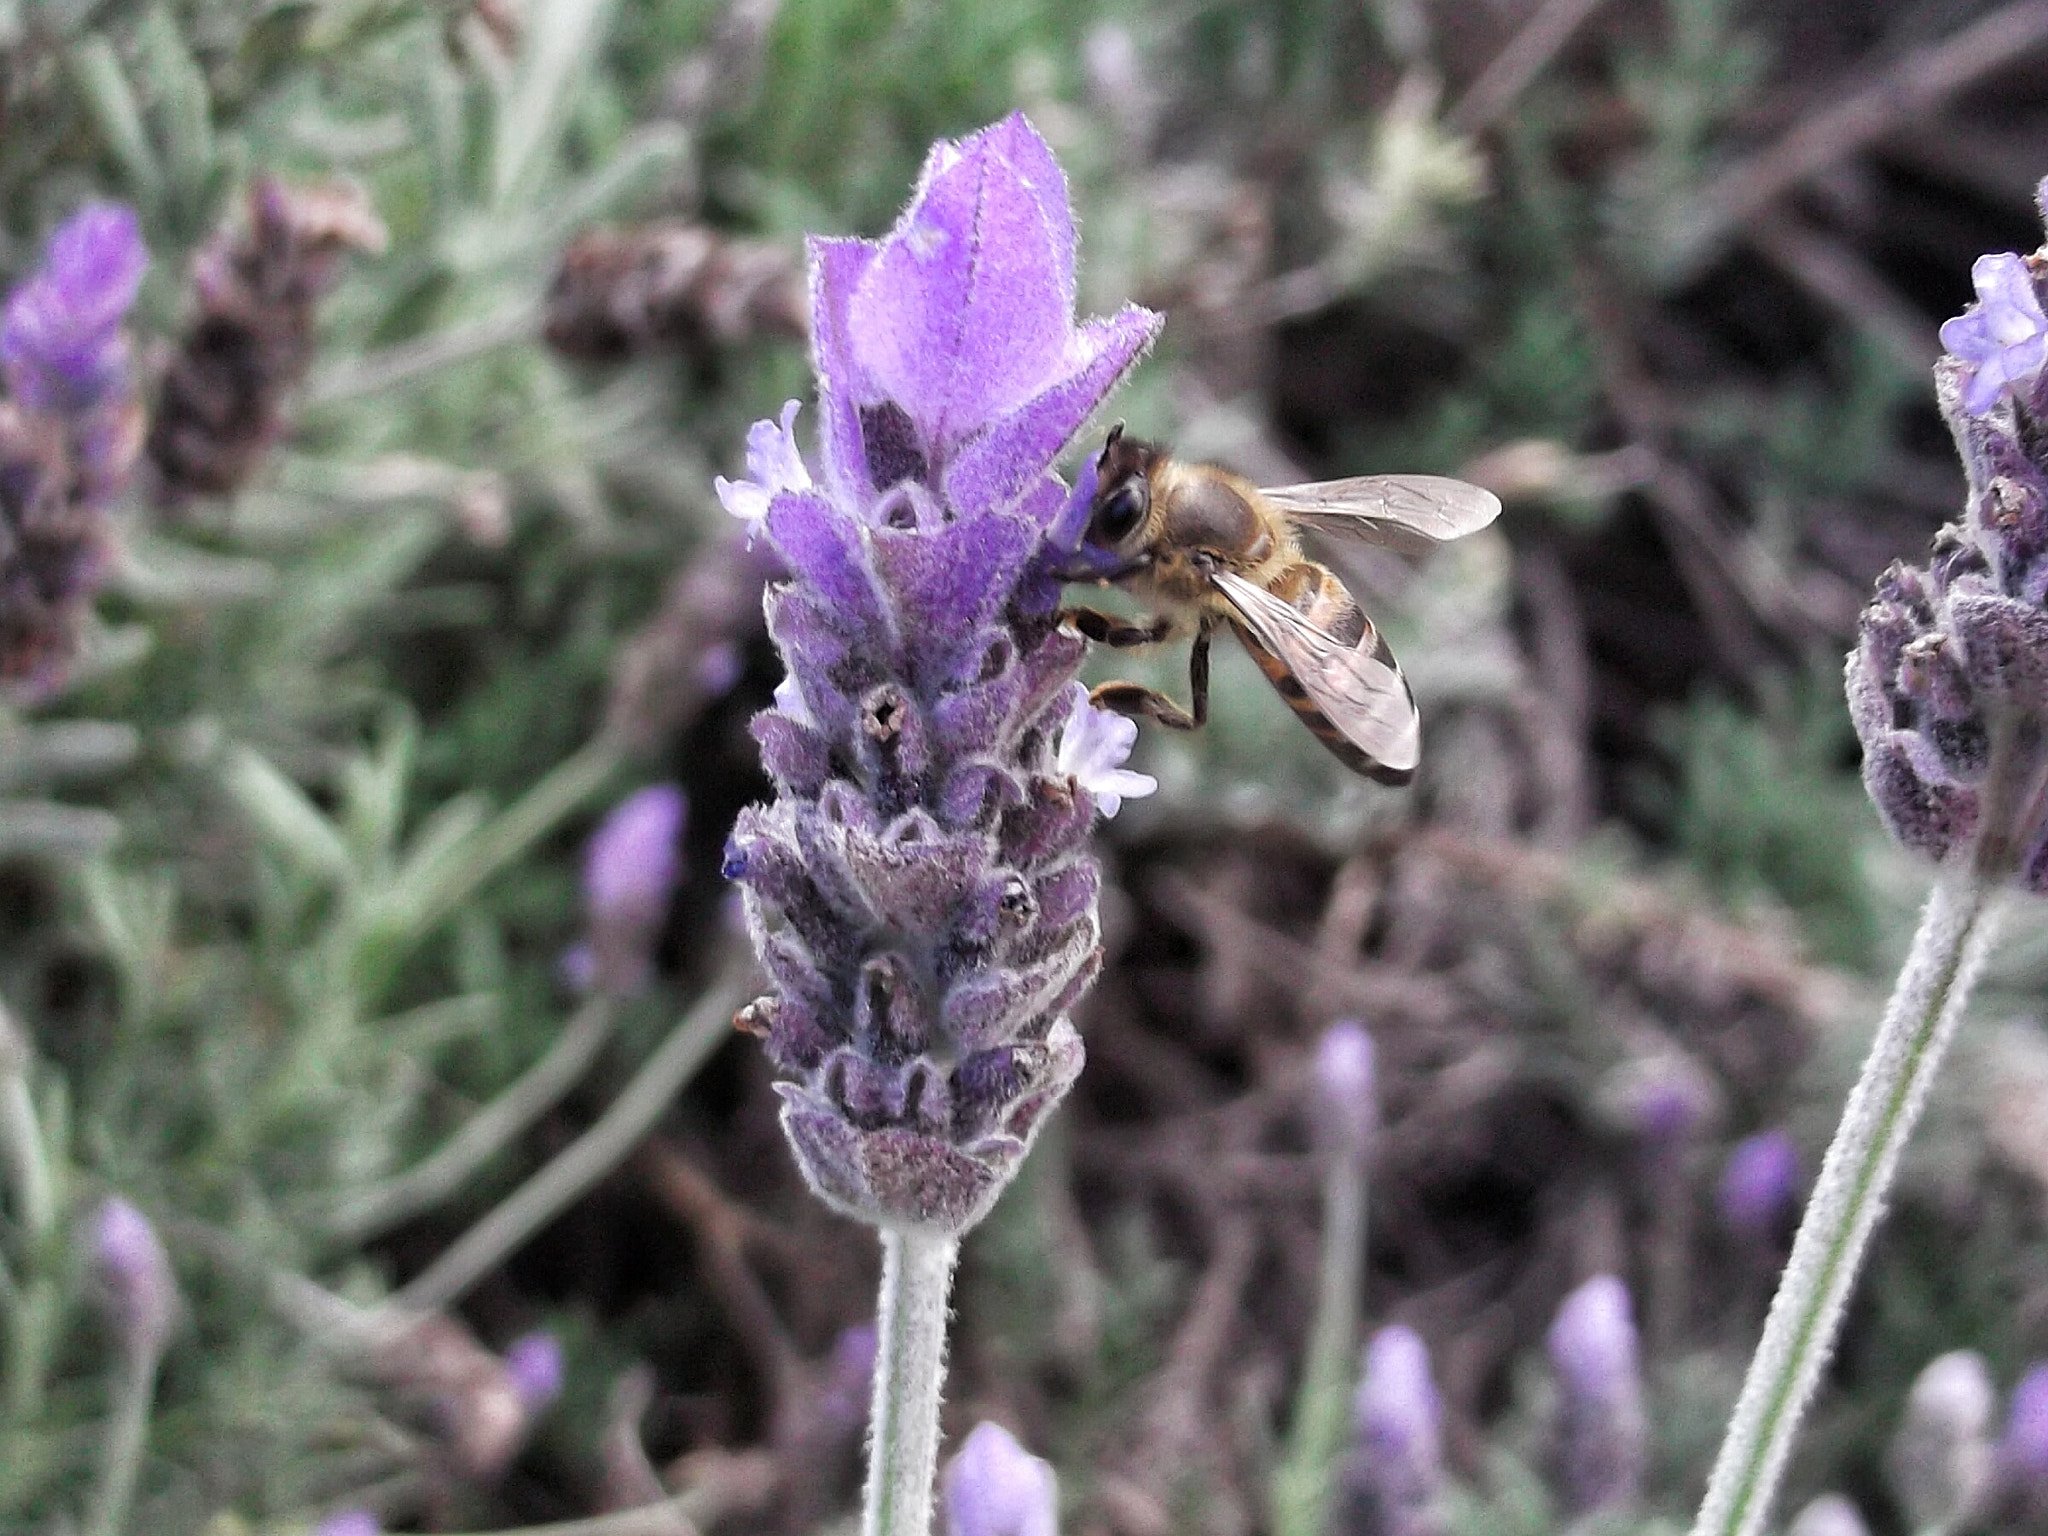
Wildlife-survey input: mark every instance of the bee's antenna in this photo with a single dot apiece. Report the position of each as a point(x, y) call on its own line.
point(1116, 434)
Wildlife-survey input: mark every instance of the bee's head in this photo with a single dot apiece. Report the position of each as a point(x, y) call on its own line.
point(1117, 491)
point(1123, 491)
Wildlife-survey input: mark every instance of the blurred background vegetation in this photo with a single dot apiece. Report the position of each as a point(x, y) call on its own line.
point(289, 863)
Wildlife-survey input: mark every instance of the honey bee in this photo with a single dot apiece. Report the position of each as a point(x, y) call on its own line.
point(1205, 548)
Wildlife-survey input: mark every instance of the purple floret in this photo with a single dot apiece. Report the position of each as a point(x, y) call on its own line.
point(2002, 339)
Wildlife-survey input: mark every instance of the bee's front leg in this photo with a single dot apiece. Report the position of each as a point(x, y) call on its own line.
point(1118, 634)
point(1142, 703)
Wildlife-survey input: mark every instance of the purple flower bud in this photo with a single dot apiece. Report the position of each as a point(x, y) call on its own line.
point(350, 1522)
point(1828, 1515)
point(1939, 1462)
point(994, 1487)
point(135, 1275)
point(919, 892)
point(60, 342)
point(2002, 339)
point(1395, 1474)
point(1760, 1186)
point(534, 1362)
point(1346, 1104)
point(629, 870)
point(1602, 1431)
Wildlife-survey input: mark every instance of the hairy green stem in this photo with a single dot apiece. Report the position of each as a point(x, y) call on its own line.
point(1956, 931)
point(36, 1303)
point(1304, 1483)
point(127, 1435)
point(910, 1378)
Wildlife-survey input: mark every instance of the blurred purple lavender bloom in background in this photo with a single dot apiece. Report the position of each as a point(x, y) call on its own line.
point(69, 435)
point(1759, 1187)
point(1602, 1430)
point(61, 344)
point(134, 1274)
point(1940, 1458)
point(1395, 1474)
point(919, 891)
point(630, 867)
point(534, 1362)
point(350, 1522)
point(994, 1487)
point(2021, 1458)
point(1345, 1106)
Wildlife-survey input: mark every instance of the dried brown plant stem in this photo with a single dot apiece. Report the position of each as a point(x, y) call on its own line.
point(1526, 55)
point(1911, 87)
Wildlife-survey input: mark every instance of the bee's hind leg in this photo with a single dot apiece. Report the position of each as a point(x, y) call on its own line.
point(1142, 703)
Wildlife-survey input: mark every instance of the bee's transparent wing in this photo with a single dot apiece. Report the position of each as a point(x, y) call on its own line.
point(1407, 512)
point(1352, 696)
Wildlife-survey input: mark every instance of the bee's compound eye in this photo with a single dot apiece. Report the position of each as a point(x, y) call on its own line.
point(1118, 514)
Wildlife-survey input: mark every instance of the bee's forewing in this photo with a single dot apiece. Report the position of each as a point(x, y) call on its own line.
point(1358, 689)
point(1405, 511)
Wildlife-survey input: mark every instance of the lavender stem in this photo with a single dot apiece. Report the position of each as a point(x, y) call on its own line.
point(127, 1436)
point(910, 1378)
point(1956, 932)
point(1305, 1483)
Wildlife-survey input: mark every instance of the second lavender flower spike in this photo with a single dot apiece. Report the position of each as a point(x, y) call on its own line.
point(919, 891)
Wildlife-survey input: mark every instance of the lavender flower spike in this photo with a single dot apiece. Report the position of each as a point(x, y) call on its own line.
point(1395, 1476)
point(629, 870)
point(919, 891)
point(68, 435)
point(1602, 1429)
point(135, 1273)
point(994, 1487)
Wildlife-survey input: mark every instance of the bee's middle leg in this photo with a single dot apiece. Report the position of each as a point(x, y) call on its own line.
point(1140, 702)
point(1116, 633)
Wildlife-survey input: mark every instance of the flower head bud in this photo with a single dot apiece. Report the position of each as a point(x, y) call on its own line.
point(1948, 684)
point(1828, 1515)
point(134, 1273)
point(534, 1362)
point(1395, 1475)
point(671, 287)
point(994, 1487)
point(1602, 1430)
point(1759, 1188)
point(919, 892)
point(1345, 1105)
point(250, 340)
point(629, 871)
point(1939, 1463)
